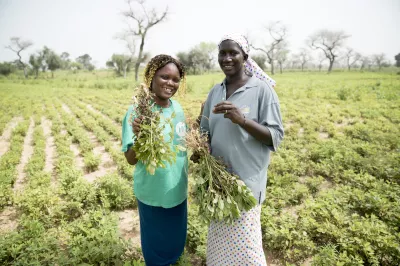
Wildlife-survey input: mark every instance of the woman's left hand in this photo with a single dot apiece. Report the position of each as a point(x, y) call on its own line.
point(230, 111)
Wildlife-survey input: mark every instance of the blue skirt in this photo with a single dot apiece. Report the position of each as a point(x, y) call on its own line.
point(163, 233)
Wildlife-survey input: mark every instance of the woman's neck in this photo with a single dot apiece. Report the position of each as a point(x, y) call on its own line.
point(238, 79)
point(161, 102)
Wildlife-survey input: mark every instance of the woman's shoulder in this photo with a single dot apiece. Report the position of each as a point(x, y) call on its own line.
point(177, 107)
point(265, 90)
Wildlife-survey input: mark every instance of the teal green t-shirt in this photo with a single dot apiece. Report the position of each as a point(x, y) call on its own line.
point(167, 188)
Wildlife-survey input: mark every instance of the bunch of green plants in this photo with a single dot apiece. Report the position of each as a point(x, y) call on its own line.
point(150, 145)
point(220, 195)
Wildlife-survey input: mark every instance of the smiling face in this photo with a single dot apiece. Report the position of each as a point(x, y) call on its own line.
point(231, 58)
point(165, 82)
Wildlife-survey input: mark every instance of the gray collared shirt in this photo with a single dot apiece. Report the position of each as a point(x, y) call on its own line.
point(244, 155)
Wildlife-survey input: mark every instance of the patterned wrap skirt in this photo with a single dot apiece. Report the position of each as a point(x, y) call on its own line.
point(239, 244)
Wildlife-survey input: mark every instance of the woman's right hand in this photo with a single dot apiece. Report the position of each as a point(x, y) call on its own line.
point(136, 125)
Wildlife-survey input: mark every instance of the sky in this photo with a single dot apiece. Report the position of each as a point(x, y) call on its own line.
point(90, 26)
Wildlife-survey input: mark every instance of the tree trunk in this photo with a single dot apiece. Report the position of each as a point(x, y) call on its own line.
point(52, 74)
point(272, 68)
point(302, 67)
point(330, 65)
point(280, 67)
point(25, 74)
point(349, 67)
point(125, 71)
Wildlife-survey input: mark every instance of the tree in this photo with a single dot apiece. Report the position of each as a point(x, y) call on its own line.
point(6, 68)
point(304, 57)
point(43, 55)
point(365, 61)
point(282, 55)
point(260, 60)
point(397, 58)
point(53, 62)
point(85, 61)
point(321, 59)
point(120, 63)
point(208, 51)
point(129, 59)
point(75, 66)
point(36, 63)
point(17, 46)
point(143, 21)
point(65, 60)
point(351, 57)
point(277, 32)
point(378, 59)
point(200, 58)
point(329, 42)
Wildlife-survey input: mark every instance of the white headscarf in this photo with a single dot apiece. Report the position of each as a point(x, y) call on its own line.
point(250, 64)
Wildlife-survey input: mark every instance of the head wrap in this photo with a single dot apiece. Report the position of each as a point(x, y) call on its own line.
point(250, 64)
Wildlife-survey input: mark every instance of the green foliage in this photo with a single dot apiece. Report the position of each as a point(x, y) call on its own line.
point(150, 145)
point(91, 161)
point(196, 233)
point(214, 202)
point(9, 162)
point(120, 63)
point(115, 192)
point(6, 68)
point(32, 244)
point(93, 239)
point(199, 59)
point(332, 198)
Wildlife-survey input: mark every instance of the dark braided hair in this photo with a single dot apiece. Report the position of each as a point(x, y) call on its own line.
point(159, 61)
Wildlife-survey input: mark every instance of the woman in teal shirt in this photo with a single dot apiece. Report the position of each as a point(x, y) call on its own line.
point(162, 197)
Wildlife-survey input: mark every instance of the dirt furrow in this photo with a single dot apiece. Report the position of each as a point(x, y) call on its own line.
point(27, 152)
point(129, 226)
point(50, 149)
point(5, 138)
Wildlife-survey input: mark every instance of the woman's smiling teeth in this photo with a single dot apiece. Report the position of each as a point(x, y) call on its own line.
point(228, 66)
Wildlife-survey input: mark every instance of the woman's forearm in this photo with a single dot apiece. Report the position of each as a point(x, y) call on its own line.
point(259, 132)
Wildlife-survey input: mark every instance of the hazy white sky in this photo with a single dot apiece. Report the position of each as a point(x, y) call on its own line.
point(88, 26)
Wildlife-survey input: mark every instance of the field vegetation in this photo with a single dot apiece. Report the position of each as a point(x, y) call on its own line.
point(333, 193)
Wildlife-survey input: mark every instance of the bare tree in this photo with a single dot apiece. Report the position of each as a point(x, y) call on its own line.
point(295, 61)
point(282, 55)
point(364, 61)
point(351, 57)
point(329, 42)
point(304, 57)
point(321, 58)
point(124, 61)
point(378, 59)
point(142, 22)
point(17, 46)
point(277, 31)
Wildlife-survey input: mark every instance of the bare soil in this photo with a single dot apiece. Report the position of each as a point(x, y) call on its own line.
point(27, 152)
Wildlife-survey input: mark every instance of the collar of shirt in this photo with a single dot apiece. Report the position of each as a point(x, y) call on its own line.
point(252, 82)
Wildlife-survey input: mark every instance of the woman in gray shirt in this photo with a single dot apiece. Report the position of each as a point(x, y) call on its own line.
point(243, 120)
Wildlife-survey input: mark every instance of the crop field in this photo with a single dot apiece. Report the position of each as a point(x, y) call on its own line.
point(333, 193)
